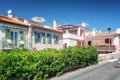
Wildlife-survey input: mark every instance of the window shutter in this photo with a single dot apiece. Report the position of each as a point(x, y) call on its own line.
point(21, 36)
point(7, 35)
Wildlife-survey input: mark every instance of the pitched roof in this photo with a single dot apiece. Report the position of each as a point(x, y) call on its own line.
point(39, 26)
point(46, 28)
point(12, 20)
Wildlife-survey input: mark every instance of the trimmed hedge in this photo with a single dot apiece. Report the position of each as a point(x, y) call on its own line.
point(20, 64)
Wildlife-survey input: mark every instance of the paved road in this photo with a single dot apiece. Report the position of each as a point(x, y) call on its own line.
point(104, 71)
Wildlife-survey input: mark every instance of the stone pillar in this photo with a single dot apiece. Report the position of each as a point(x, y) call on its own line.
point(30, 37)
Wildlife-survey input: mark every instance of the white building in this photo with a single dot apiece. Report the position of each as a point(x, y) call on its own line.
point(45, 37)
point(13, 33)
point(117, 40)
point(73, 35)
point(16, 33)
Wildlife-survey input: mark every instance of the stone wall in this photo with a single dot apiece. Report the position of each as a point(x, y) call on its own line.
point(104, 57)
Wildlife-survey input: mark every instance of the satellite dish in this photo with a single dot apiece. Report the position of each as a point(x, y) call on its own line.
point(9, 11)
point(38, 19)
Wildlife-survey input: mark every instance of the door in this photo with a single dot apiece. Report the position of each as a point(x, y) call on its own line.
point(78, 43)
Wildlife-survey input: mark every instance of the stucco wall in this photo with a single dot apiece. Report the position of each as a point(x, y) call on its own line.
point(71, 39)
point(116, 42)
point(70, 42)
point(14, 28)
point(2, 35)
point(40, 45)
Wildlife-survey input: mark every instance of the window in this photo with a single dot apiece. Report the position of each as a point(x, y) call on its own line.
point(108, 41)
point(11, 36)
point(43, 38)
point(89, 43)
point(37, 37)
point(21, 35)
point(56, 39)
point(49, 38)
point(7, 35)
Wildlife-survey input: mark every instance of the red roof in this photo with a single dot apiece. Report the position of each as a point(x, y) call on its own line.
point(12, 20)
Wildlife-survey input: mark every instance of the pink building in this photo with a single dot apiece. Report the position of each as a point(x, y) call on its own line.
point(103, 41)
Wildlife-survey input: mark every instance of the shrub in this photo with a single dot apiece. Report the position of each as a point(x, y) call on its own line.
point(39, 65)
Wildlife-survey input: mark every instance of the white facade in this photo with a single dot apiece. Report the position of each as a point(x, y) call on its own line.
point(40, 45)
point(18, 33)
point(116, 41)
point(14, 36)
point(71, 39)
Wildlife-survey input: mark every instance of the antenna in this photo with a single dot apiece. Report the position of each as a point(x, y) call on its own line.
point(9, 13)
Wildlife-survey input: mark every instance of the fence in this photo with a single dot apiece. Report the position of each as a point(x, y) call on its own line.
point(8, 44)
point(105, 48)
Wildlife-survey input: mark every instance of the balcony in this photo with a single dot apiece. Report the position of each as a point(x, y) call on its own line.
point(8, 44)
point(105, 48)
point(72, 36)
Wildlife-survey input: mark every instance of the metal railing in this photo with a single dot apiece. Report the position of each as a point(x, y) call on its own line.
point(8, 44)
point(105, 48)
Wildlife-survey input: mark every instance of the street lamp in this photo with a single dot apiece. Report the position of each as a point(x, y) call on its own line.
point(109, 30)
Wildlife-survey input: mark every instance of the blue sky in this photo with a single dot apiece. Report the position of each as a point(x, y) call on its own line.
point(99, 14)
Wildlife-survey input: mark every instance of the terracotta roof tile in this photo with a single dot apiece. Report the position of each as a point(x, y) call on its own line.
point(12, 20)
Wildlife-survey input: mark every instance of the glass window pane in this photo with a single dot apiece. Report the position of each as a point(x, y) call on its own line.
point(56, 39)
point(43, 38)
point(21, 35)
point(49, 38)
point(7, 35)
point(37, 36)
point(11, 36)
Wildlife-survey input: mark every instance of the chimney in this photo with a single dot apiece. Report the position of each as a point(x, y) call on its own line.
point(94, 31)
point(55, 24)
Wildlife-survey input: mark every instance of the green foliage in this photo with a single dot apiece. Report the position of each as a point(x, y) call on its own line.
point(39, 65)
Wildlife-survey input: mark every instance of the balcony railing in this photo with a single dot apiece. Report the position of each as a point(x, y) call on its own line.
point(8, 44)
point(73, 36)
point(105, 48)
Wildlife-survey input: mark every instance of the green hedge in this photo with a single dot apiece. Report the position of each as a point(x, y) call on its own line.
point(39, 65)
